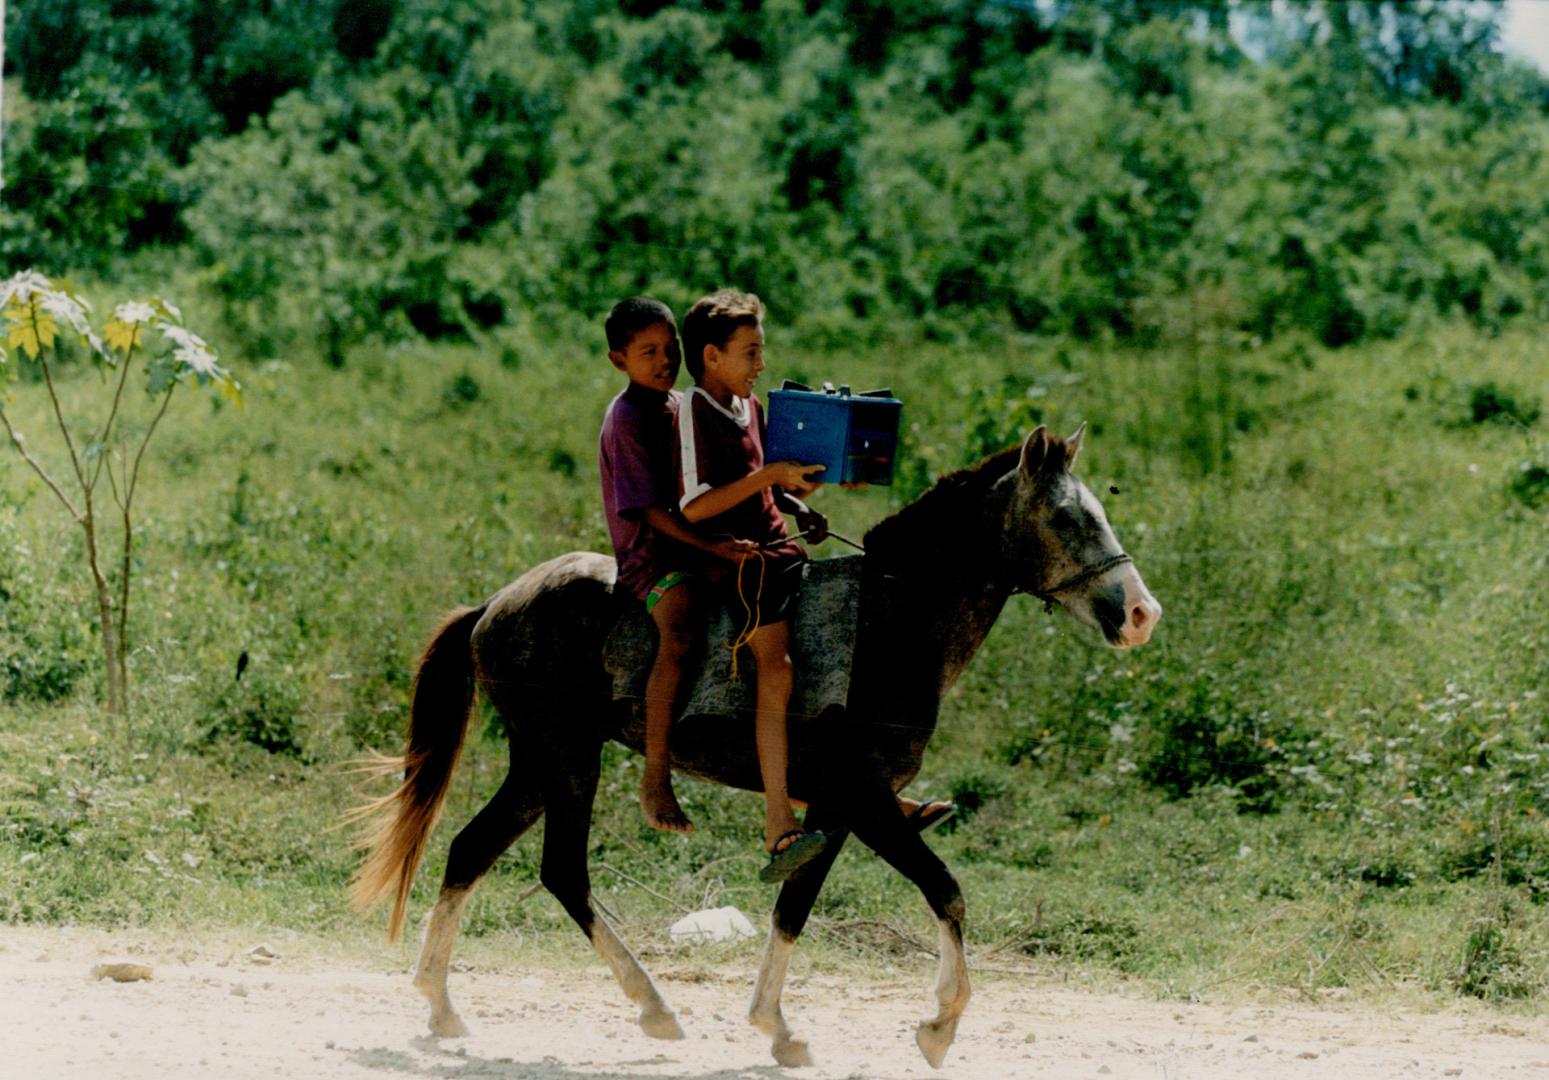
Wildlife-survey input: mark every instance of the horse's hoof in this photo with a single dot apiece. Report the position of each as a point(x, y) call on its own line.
point(661, 1025)
point(934, 1039)
point(448, 1026)
point(792, 1053)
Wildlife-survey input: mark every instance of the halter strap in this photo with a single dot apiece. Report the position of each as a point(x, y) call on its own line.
point(1080, 577)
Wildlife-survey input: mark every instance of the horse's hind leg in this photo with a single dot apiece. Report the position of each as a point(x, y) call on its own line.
point(571, 787)
point(795, 902)
point(510, 813)
point(884, 830)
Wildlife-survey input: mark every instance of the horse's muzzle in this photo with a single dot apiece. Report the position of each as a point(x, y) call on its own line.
point(1139, 615)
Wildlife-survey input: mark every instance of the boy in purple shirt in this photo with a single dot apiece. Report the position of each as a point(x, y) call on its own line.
point(653, 546)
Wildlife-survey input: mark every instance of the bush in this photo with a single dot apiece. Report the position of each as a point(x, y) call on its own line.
point(1203, 737)
point(261, 710)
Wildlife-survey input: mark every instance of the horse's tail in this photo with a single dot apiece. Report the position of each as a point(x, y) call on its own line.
point(398, 825)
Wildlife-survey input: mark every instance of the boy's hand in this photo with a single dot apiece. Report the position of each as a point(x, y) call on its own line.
point(732, 550)
point(812, 525)
point(794, 476)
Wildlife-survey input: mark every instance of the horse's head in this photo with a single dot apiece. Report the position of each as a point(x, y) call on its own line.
point(1060, 547)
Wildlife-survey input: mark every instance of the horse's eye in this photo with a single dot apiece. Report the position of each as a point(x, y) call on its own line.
point(1113, 489)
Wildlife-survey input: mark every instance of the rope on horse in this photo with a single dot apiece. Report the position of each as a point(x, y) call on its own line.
point(753, 614)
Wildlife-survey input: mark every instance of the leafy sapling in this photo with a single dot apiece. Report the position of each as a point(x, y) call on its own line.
point(36, 312)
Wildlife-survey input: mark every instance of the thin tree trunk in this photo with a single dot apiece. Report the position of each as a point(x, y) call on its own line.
point(131, 482)
point(110, 645)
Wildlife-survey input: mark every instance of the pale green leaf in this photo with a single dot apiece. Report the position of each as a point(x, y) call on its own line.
point(161, 373)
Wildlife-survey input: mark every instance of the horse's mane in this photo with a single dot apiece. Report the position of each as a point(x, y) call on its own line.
point(935, 524)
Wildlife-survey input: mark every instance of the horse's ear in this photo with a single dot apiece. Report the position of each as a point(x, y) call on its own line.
point(1073, 446)
point(1035, 451)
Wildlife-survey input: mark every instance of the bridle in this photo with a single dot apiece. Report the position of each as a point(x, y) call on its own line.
point(1047, 595)
point(1080, 577)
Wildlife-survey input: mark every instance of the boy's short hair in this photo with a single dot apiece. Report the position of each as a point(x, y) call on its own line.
point(633, 315)
point(712, 321)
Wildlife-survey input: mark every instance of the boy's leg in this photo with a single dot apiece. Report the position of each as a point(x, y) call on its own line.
point(770, 646)
point(673, 614)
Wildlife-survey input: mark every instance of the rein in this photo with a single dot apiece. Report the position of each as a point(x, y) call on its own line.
point(804, 535)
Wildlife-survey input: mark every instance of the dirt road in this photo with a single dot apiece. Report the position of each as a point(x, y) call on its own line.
point(214, 1011)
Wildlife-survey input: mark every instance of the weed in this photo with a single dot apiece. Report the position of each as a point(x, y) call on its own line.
point(1492, 967)
point(1529, 482)
point(1084, 937)
point(1492, 403)
point(42, 652)
point(971, 793)
point(461, 391)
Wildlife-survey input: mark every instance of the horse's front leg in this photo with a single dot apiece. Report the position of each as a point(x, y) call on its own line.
point(785, 925)
point(934, 1036)
point(885, 831)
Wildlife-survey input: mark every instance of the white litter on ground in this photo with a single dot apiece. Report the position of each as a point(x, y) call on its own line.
point(711, 925)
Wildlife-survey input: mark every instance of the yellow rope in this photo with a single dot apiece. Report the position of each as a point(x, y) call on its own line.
point(751, 623)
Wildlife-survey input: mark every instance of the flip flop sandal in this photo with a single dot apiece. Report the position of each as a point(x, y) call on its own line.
point(928, 815)
point(783, 862)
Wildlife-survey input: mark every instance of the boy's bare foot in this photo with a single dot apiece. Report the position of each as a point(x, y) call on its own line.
point(779, 829)
point(661, 809)
point(790, 852)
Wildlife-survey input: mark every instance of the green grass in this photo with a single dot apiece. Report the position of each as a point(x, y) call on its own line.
point(1325, 771)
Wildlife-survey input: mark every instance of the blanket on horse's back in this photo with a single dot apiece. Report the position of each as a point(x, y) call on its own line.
point(822, 647)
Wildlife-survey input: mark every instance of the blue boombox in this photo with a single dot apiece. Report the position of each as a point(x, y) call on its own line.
point(854, 435)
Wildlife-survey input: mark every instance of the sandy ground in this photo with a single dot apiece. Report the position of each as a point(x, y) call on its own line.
point(210, 1010)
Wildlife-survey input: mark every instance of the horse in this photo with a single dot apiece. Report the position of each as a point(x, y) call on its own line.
point(935, 577)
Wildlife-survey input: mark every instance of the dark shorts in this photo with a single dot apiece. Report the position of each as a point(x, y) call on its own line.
point(764, 590)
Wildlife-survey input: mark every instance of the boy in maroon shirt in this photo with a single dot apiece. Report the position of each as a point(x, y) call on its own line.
point(727, 490)
point(653, 546)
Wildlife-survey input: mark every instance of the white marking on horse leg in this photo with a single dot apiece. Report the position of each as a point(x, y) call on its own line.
point(656, 1020)
point(435, 955)
point(952, 993)
point(765, 1013)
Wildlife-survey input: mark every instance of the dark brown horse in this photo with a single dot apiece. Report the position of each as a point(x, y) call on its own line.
point(935, 578)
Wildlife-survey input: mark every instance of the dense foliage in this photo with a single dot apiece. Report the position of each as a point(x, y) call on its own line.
point(385, 167)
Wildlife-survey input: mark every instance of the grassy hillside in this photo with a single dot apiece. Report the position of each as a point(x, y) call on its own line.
point(1326, 770)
